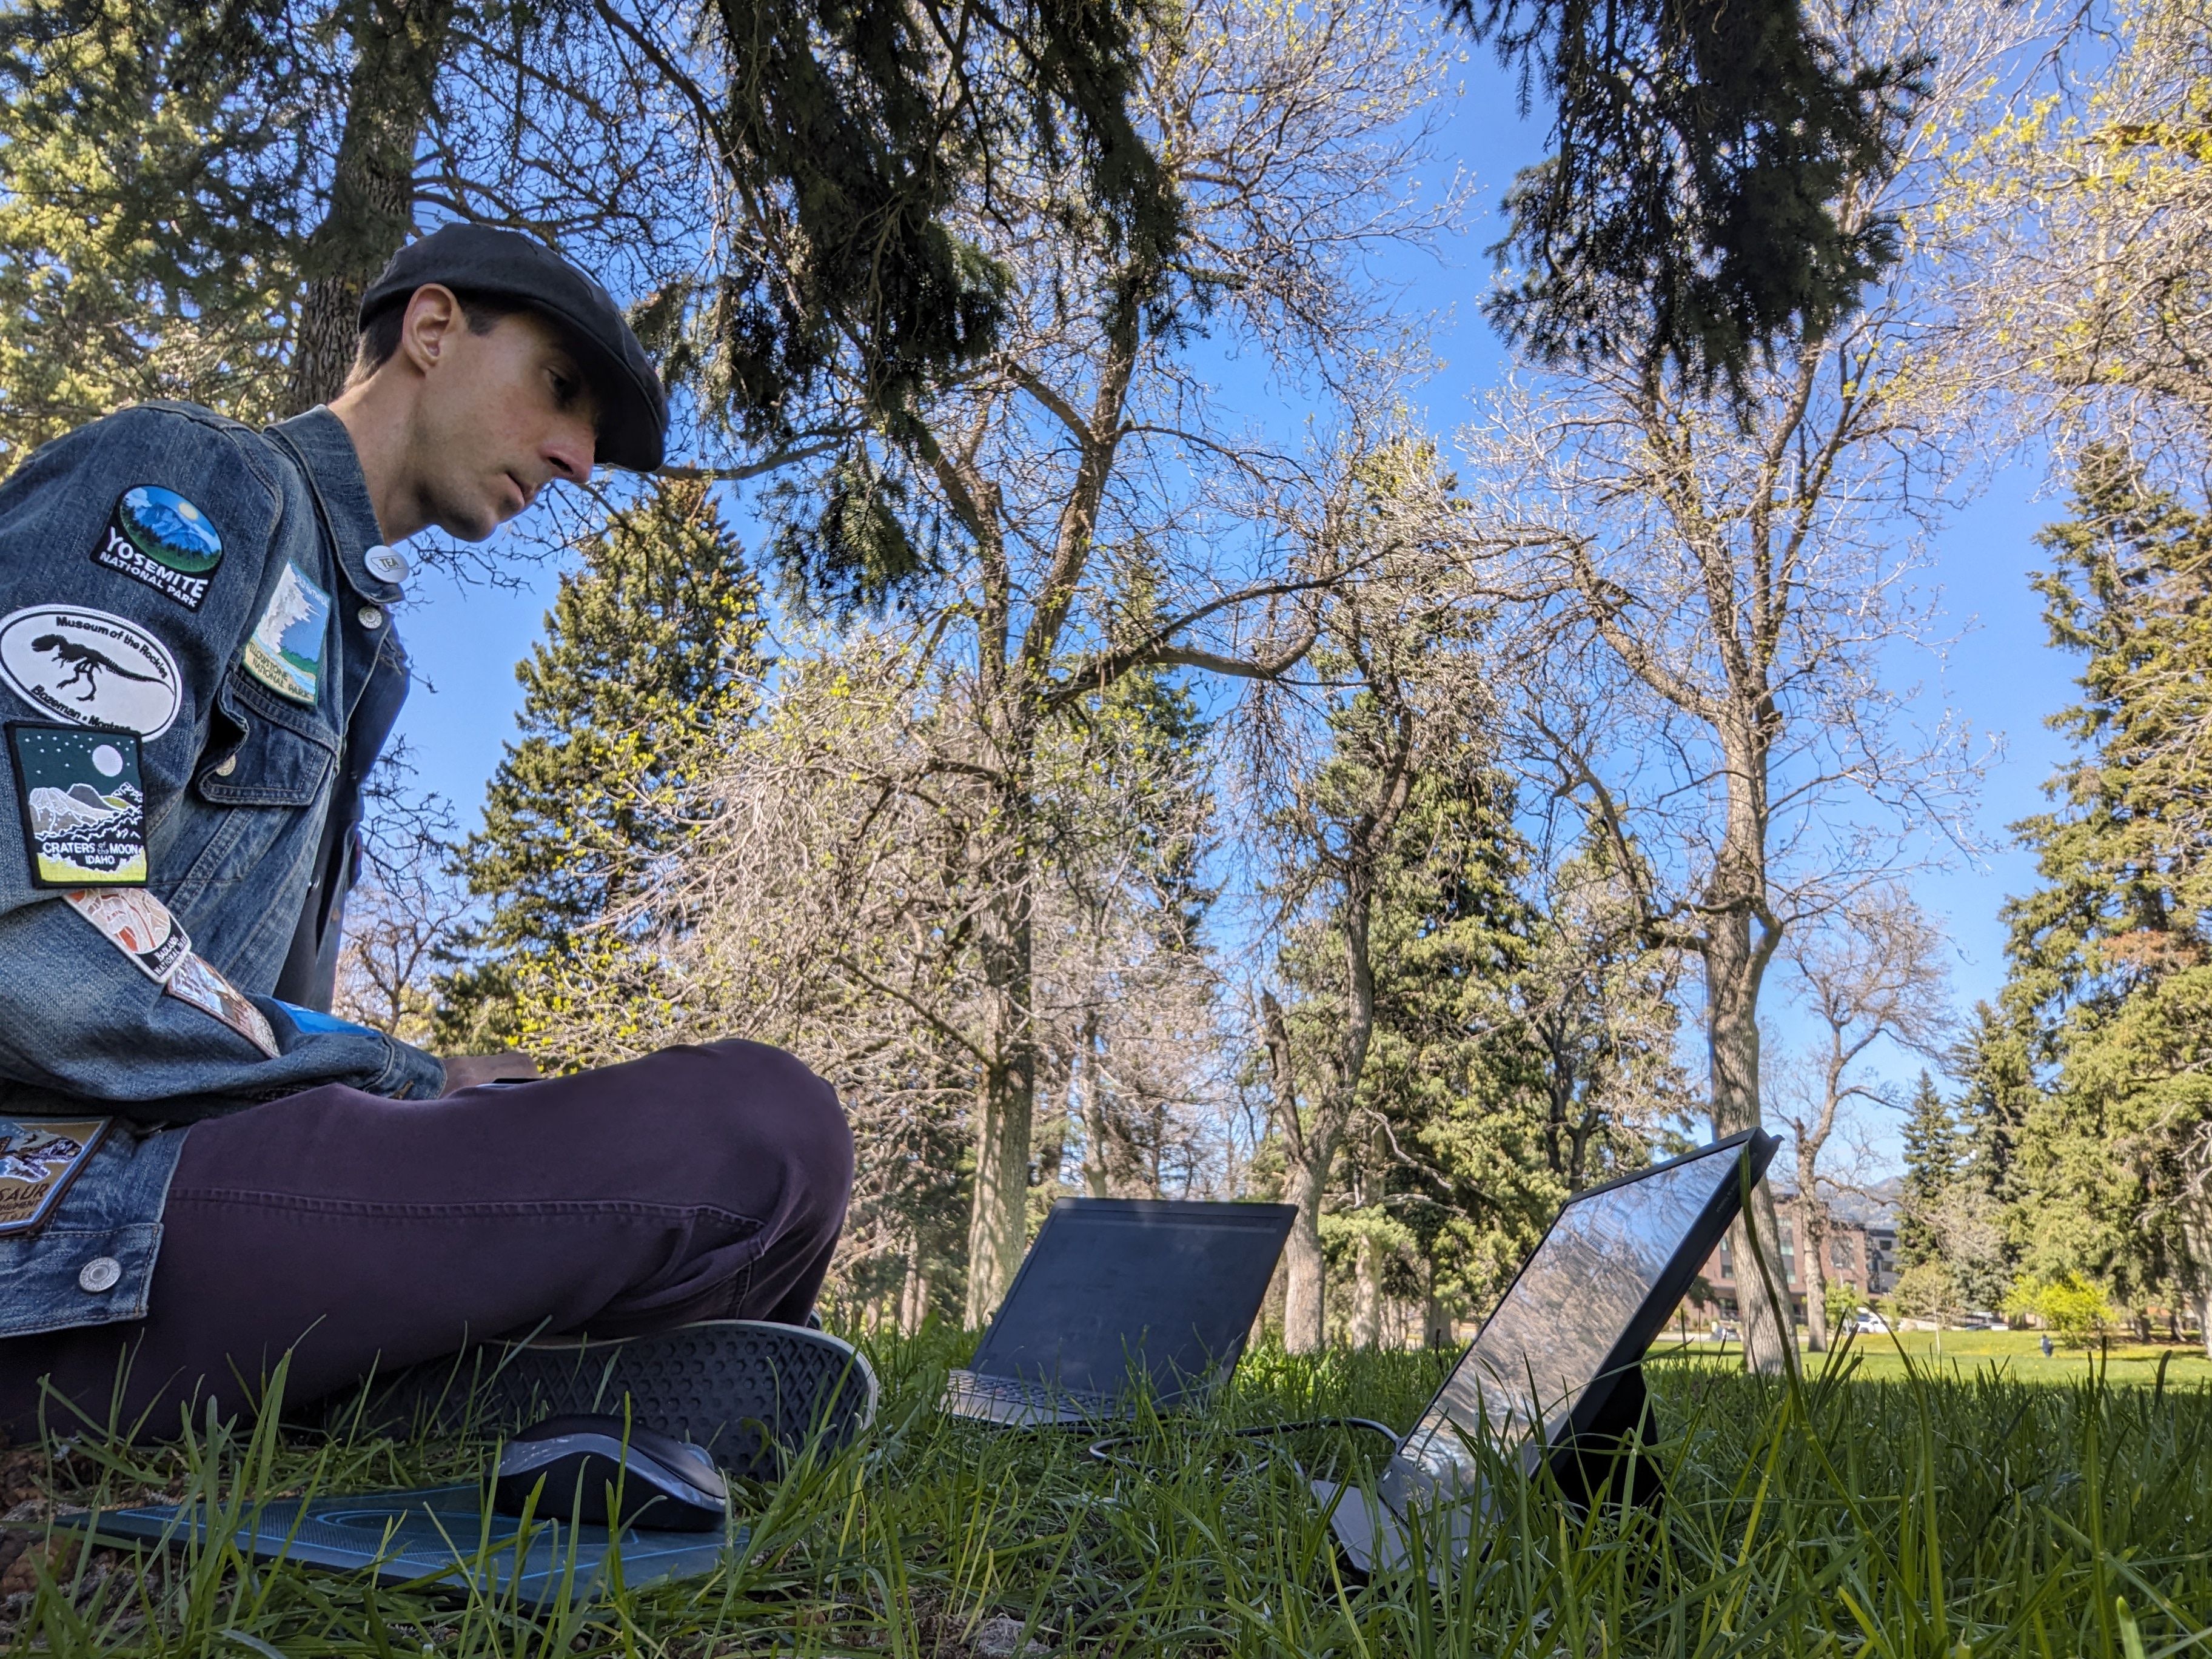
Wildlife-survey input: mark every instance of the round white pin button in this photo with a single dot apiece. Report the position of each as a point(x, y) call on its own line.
point(386, 565)
point(370, 616)
point(102, 1272)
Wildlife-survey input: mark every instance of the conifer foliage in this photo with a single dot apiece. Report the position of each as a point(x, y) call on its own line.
point(1688, 211)
point(1931, 1166)
point(2110, 966)
point(147, 186)
point(651, 648)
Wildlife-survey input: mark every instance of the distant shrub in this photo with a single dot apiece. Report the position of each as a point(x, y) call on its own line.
point(1923, 1292)
point(2070, 1307)
point(1844, 1303)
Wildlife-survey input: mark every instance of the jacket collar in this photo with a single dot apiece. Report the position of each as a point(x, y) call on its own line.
point(326, 454)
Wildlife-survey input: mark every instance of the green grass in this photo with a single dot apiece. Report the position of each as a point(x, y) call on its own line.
point(1971, 1516)
point(2017, 1354)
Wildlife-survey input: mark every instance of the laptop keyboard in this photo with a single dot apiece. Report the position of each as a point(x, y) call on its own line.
point(1006, 1398)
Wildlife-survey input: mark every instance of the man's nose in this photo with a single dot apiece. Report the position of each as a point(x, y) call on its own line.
point(571, 451)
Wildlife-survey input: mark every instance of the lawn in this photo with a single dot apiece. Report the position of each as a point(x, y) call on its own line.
point(2018, 1354)
point(1978, 1515)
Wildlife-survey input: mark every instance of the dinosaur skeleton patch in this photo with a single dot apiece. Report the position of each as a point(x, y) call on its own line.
point(91, 668)
point(39, 1159)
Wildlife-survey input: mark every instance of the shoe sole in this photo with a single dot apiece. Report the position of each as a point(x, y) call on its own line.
point(753, 1394)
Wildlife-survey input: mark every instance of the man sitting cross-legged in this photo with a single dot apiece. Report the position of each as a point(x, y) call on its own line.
point(198, 667)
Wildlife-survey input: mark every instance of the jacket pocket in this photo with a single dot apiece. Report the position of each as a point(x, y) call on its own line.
point(62, 1276)
point(270, 753)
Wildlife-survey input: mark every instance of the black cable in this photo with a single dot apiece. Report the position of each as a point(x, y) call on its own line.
point(1102, 1451)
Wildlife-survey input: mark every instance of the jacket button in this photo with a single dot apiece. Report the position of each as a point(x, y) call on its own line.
point(102, 1272)
point(369, 617)
point(229, 765)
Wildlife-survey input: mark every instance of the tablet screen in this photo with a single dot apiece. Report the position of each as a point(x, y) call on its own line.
point(1548, 1340)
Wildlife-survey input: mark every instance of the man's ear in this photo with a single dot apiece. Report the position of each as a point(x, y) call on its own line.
point(426, 333)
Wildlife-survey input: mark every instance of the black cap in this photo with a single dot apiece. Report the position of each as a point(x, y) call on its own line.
point(633, 410)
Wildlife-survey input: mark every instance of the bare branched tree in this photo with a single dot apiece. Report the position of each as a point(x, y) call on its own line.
point(1870, 973)
point(1333, 787)
point(2074, 222)
point(1081, 508)
point(407, 910)
point(1716, 598)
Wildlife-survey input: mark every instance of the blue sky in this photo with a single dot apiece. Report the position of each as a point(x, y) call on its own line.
point(2001, 678)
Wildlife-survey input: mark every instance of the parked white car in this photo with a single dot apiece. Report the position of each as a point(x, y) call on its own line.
point(1871, 1323)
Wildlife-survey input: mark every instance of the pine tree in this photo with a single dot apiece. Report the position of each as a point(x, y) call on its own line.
point(1932, 1154)
point(651, 649)
point(1993, 1111)
point(149, 200)
point(2110, 971)
point(1451, 1169)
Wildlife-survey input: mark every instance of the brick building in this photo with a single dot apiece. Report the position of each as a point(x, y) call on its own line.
point(1861, 1253)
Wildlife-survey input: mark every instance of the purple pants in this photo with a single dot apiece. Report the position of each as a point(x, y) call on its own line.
point(364, 1234)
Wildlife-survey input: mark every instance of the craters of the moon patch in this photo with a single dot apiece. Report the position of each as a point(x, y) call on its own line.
point(156, 537)
point(90, 667)
point(83, 804)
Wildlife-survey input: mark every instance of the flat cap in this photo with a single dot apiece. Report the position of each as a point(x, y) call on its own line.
point(475, 258)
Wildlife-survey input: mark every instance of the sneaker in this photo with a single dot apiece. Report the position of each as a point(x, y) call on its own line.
point(751, 1393)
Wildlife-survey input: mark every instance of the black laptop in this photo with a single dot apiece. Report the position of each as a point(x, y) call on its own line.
point(1118, 1296)
point(1555, 1375)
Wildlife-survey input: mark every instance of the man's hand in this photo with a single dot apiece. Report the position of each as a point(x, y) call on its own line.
point(467, 1071)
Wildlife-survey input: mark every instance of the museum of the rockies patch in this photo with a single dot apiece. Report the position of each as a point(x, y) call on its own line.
point(39, 1159)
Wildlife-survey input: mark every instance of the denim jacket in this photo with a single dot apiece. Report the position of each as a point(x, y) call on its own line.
point(170, 574)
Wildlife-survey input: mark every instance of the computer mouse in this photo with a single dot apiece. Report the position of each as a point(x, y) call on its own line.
point(576, 1465)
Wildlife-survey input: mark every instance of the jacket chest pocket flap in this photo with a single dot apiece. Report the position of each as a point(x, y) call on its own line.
point(273, 753)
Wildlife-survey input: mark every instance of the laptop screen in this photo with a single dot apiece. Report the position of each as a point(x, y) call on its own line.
point(1576, 1300)
point(1171, 1284)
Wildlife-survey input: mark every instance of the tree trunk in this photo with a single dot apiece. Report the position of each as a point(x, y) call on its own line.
point(914, 1295)
point(997, 1225)
point(1367, 1293)
point(2195, 1214)
point(1813, 1262)
point(1310, 1149)
point(398, 46)
point(1733, 968)
point(1436, 1318)
point(1769, 1338)
point(1305, 1327)
point(1087, 1099)
point(1005, 1102)
point(1813, 1234)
